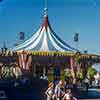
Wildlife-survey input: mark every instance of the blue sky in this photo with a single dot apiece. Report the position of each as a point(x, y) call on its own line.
point(66, 18)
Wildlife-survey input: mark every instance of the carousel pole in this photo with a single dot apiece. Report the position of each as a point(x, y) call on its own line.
point(44, 71)
point(46, 4)
point(76, 40)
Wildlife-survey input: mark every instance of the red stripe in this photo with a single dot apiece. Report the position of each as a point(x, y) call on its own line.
point(25, 61)
point(29, 62)
point(79, 67)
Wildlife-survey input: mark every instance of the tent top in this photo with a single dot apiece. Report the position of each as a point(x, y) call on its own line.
point(45, 39)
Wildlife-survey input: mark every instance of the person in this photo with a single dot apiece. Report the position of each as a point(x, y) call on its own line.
point(86, 81)
point(50, 91)
point(68, 95)
point(1, 65)
point(59, 90)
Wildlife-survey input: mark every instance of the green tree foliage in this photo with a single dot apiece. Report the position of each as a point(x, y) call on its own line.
point(80, 75)
point(67, 75)
point(91, 72)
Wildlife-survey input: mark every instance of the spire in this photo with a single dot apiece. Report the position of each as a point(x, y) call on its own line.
point(45, 12)
point(45, 15)
point(45, 3)
point(45, 9)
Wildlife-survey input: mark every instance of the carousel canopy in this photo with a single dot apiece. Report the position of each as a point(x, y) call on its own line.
point(45, 39)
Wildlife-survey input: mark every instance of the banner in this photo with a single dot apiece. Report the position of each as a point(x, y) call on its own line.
point(21, 35)
point(76, 37)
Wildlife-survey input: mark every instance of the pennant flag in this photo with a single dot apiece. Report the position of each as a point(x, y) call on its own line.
point(21, 35)
point(72, 67)
point(76, 37)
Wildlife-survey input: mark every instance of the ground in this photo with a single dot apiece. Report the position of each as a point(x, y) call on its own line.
point(89, 99)
point(36, 92)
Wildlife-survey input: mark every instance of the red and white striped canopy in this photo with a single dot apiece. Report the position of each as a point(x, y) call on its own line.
point(45, 39)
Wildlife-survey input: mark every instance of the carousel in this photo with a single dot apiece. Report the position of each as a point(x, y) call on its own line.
point(46, 53)
point(46, 50)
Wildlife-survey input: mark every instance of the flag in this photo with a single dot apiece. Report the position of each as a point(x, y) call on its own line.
point(21, 35)
point(72, 67)
point(76, 37)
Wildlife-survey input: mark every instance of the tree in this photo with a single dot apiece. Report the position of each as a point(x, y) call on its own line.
point(80, 75)
point(67, 74)
point(91, 72)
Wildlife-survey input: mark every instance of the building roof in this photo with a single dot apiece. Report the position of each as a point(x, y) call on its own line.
point(45, 39)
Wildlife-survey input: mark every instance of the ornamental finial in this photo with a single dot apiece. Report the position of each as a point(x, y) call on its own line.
point(45, 9)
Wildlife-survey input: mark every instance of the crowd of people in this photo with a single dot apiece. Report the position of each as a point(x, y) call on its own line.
point(10, 71)
point(59, 92)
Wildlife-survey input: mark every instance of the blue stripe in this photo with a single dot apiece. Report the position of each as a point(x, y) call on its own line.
point(61, 40)
point(60, 44)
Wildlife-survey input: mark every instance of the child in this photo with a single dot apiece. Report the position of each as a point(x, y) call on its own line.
point(68, 95)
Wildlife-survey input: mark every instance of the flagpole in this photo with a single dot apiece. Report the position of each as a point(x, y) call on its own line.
point(76, 40)
point(46, 4)
point(72, 69)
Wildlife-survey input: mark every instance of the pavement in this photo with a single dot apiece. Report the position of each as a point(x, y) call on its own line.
point(24, 92)
point(88, 99)
point(36, 92)
point(92, 93)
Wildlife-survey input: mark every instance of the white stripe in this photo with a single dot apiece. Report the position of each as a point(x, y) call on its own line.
point(53, 42)
point(44, 46)
point(23, 63)
point(32, 46)
point(63, 45)
point(28, 64)
point(29, 41)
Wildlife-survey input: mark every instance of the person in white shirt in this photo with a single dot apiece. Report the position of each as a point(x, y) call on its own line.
point(59, 90)
point(68, 95)
point(50, 91)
